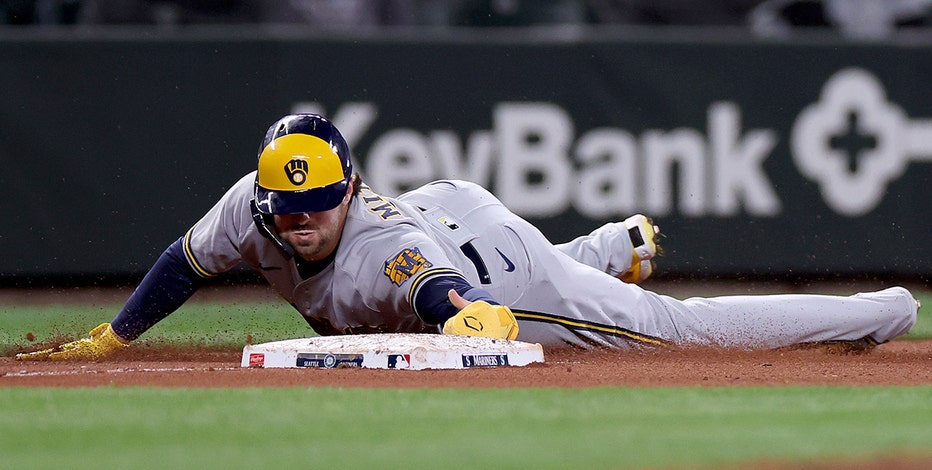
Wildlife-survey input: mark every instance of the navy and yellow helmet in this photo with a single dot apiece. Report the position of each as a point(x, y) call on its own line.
point(304, 166)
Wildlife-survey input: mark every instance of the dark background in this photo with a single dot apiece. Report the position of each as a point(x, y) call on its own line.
point(114, 143)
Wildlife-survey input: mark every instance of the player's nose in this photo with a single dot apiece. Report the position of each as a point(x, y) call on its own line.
point(294, 220)
point(298, 217)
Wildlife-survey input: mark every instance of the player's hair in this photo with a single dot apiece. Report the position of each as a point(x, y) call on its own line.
point(357, 183)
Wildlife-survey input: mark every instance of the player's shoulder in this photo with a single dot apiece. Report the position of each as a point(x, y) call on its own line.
point(377, 208)
point(247, 181)
point(231, 211)
point(242, 189)
point(376, 222)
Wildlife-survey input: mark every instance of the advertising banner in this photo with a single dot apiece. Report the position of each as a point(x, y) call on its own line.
point(756, 159)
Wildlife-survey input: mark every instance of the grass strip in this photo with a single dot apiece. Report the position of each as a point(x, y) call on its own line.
point(209, 323)
point(421, 428)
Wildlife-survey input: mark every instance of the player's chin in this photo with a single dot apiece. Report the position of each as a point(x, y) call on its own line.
point(307, 250)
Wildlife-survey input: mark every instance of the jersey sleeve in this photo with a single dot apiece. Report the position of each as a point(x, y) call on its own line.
point(213, 245)
point(168, 284)
point(432, 302)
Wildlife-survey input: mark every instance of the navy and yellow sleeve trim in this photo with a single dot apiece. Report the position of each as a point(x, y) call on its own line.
point(192, 260)
point(581, 326)
point(419, 281)
point(430, 299)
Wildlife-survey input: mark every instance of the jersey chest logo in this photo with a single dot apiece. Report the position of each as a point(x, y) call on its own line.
point(405, 265)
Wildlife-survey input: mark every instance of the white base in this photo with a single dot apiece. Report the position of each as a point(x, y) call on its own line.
point(392, 351)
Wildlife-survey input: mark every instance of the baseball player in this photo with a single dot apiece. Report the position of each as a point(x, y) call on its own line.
point(450, 258)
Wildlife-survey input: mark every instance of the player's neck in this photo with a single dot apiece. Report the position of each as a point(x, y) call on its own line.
point(308, 269)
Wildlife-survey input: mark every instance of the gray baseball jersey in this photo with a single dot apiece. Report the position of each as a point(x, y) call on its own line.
point(563, 294)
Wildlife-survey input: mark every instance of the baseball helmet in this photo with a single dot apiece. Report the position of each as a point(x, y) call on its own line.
point(304, 166)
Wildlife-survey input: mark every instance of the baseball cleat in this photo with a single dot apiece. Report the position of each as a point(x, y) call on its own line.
point(645, 240)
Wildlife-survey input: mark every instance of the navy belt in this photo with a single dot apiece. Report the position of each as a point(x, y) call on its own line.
point(473, 255)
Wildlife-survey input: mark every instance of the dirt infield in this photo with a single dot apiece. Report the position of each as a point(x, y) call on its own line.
point(901, 362)
point(895, 363)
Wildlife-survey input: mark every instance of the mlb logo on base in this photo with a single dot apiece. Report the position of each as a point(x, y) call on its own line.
point(399, 361)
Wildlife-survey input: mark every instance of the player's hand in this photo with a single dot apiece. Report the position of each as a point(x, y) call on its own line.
point(101, 342)
point(480, 319)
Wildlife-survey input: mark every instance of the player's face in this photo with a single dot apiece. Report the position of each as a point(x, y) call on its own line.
point(314, 235)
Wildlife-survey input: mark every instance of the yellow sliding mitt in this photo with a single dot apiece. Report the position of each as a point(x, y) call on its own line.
point(480, 319)
point(101, 342)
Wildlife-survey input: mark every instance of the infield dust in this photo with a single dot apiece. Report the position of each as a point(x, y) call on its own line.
point(896, 363)
point(901, 362)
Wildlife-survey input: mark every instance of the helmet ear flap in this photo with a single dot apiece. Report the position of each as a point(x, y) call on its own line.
point(264, 223)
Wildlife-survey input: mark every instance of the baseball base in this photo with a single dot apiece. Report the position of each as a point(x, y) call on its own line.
point(392, 351)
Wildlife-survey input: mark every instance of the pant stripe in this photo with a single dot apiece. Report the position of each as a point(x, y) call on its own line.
point(580, 325)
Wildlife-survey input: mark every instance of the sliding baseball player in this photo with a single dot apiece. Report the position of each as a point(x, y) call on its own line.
point(450, 258)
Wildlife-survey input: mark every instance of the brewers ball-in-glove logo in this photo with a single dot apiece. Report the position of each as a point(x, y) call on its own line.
point(405, 265)
point(296, 170)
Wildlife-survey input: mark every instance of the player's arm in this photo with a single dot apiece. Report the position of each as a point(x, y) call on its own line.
point(169, 283)
point(173, 279)
point(463, 309)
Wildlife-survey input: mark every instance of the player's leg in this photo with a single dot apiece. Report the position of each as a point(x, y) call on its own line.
point(623, 249)
point(608, 249)
point(559, 301)
point(566, 302)
point(619, 248)
point(789, 319)
point(529, 274)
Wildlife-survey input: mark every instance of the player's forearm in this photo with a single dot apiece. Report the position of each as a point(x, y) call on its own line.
point(168, 284)
point(433, 305)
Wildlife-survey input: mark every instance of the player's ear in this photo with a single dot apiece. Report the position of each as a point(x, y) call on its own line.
point(350, 188)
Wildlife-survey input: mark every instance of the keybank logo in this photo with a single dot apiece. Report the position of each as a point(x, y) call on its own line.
point(854, 142)
point(851, 141)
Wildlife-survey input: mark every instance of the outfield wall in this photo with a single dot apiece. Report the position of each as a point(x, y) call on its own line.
point(810, 158)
